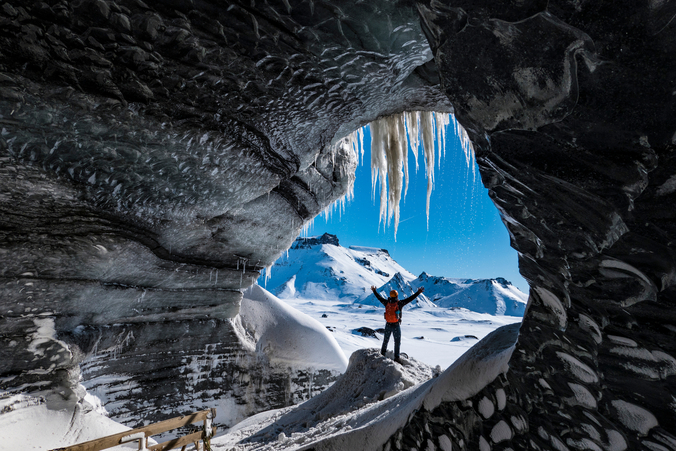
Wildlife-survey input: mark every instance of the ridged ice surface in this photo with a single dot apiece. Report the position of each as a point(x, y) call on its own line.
point(154, 156)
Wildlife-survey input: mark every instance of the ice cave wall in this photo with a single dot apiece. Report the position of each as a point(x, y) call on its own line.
point(149, 152)
point(570, 106)
point(153, 158)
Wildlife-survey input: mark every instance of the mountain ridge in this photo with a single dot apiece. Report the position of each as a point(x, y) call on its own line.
point(318, 267)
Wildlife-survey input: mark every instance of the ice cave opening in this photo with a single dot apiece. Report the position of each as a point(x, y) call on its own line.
point(416, 215)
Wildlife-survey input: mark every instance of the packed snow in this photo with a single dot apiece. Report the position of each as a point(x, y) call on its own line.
point(372, 400)
point(35, 423)
point(282, 333)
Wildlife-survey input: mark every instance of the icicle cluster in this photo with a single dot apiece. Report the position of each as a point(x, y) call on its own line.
point(391, 137)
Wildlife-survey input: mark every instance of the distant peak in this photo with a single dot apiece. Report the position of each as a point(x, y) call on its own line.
point(306, 242)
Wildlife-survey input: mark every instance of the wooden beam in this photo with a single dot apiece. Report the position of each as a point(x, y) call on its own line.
point(177, 442)
point(152, 429)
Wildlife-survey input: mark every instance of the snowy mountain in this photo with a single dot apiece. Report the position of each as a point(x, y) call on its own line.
point(403, 286)
point(320, 268)
point(492, 296)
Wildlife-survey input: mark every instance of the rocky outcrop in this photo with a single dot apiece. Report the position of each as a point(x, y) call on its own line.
point(154, 156)
point(308, 242)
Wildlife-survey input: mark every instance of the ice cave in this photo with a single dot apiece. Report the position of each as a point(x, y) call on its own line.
point(156, 156)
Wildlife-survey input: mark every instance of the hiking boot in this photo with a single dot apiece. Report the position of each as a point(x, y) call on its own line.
point(398, 360)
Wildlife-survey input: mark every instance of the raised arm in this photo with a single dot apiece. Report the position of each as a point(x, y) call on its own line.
point(378, 296)
point(410, 298)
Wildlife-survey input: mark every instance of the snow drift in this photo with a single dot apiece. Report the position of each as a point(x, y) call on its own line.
point(286, 336)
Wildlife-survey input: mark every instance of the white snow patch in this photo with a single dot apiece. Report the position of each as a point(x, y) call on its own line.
point(589, 325)
point(445, 443)
point(27, 421)
point(519, 423)
point(616, 441)
point(552, 302)
point(582, 396)
point(634, 417)
point(558, 444)
point(580, 370)
point(584, 443)
point(283, 333)
point(623, 341)
point(652, 446)
point(475, 369)
point(501, 398)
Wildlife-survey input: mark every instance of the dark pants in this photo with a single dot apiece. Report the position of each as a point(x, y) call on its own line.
point(392, 329)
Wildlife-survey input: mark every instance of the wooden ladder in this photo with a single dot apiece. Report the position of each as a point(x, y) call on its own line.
point(142, 434)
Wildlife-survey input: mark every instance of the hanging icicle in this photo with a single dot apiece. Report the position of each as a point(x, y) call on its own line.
point(390, 140)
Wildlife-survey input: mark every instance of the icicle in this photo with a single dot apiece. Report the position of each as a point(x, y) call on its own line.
point(268, 274)
point(442, 120)
point(427, 129)
point(379, 137)
point(466, 145)
point(396, 158)
point(413, 127)
point(361, 144)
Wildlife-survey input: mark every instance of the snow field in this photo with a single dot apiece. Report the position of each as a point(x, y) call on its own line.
point(438, 326)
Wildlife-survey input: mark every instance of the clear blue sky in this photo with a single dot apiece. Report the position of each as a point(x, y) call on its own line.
point(466, 237)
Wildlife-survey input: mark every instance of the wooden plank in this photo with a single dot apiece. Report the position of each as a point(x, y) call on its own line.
point(179, 441)
point(152, 429)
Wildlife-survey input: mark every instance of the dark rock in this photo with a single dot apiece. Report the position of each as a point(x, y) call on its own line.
point(464, 338)
point(307, 242)
point(365, 332)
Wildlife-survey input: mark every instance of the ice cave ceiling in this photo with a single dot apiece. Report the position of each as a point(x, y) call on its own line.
point(154, 156)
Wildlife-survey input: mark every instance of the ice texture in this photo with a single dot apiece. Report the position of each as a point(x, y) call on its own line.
point(634, 417)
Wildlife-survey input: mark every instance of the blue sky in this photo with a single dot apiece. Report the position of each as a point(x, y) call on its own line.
point(466, 237)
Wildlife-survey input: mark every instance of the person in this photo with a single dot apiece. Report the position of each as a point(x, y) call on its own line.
point(393, 308)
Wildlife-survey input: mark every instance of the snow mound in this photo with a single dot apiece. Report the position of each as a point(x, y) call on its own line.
point(30, 421)
point(286, 336)
point(370, 378)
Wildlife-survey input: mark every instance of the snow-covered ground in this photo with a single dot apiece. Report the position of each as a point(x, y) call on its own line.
point(427, 333)
point(371, 401)
point(331, 284)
